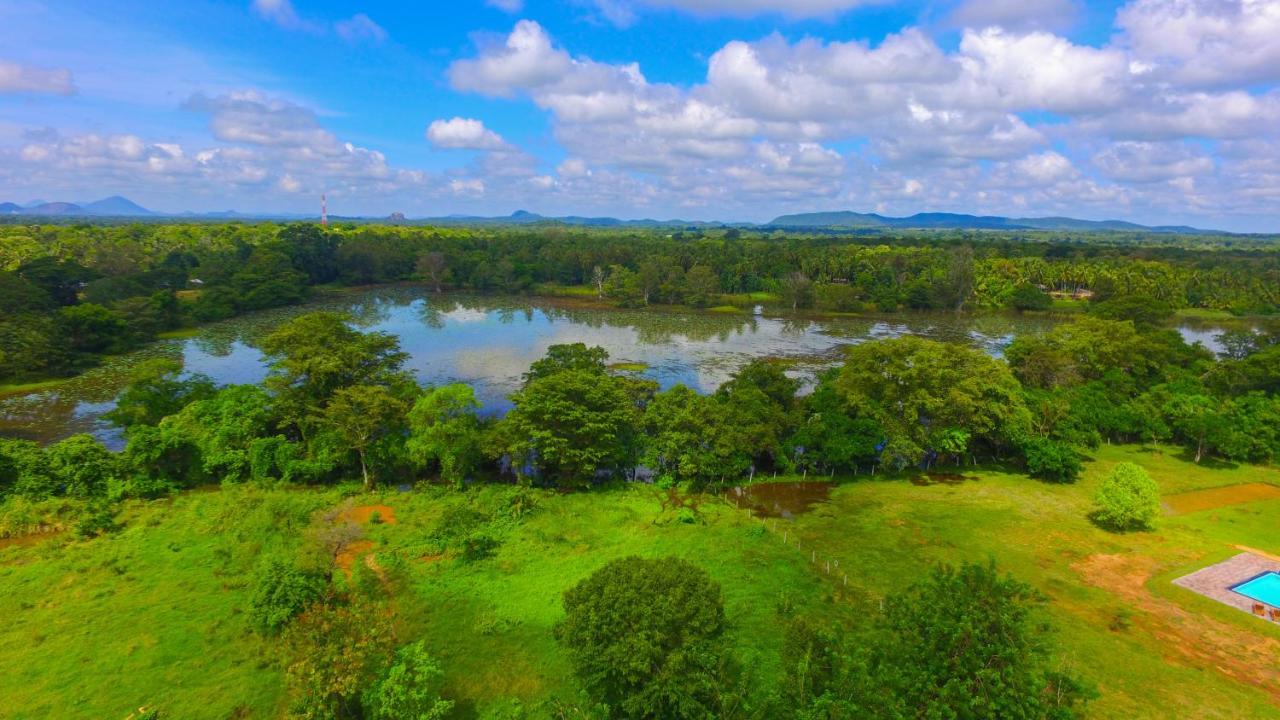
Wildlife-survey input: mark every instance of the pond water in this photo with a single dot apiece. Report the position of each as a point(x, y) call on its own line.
point(489, 342)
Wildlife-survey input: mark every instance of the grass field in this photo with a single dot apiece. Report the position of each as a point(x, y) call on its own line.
point(155, 614)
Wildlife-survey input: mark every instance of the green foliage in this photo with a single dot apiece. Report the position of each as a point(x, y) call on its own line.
point(573, 356)
point(337, 651)
point(363, 415)
point(934, 398)
point(963, 644)
point(409, 689)
point(1142, 310)
point(1127, 499)
point(645, 637)
point(81, 466)
point(574, 421)
point(1029, 297)
point(93, 329)
point(282, 591)
point(157, 390)
point(445, 429)
point(313, 356)
point(1051, 460)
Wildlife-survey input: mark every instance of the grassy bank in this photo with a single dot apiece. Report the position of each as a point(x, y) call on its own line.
point(156, 613)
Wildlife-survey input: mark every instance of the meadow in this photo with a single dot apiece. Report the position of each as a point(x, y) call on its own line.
point(156, 614)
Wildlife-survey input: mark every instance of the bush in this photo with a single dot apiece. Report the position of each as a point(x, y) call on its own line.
point(1030, 297)
point(281, 592)
point(409, 689)
point(1127, 500)
point(644, 637)
point(1052, 461)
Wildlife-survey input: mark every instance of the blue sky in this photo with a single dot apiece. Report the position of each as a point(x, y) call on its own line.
point(1162, 111)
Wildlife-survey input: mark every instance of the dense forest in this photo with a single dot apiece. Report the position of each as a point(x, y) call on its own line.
point(71, 293)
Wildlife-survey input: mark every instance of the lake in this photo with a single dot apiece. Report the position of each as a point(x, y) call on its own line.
point(489, 342)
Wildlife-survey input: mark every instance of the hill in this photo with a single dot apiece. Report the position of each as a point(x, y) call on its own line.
point(960, 221)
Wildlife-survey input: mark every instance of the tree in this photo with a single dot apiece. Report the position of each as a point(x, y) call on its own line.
point(933, 399)
point(313, 356)
point(434, 268)
point(832, 434)
point(155, 391)
point(957, 287)
point(444, 428)
point(797, 290)
point(1052, 461)
point(701, 286)
point(282, 591)
point(572, 356)
point(574, 423)
point(1143, 311)
point(409, 689)
point(362, 415)
point(963, 644)
point(1029, 297)
point(644, 637)
point(1128, 499)
point(82, 466)
point(336, 652)
point(1198, 418)
point(92, 328)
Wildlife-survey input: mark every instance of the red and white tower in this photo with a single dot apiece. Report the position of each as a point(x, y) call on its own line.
point(324, 211)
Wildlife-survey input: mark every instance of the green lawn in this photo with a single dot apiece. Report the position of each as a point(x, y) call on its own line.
point(155, 614)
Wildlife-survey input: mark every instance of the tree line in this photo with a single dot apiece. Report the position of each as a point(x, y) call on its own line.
point(72, 293)
point(337, 403)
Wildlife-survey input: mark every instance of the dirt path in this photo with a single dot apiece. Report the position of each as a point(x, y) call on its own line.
point(1196, 640)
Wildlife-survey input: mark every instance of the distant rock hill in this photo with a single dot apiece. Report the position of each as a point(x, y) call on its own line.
point(960, 221)
point(114, 206)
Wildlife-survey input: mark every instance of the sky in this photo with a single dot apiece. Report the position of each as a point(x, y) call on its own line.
point(1156, 111)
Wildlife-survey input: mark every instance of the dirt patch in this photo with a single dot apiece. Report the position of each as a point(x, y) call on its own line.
point(29, 539)
point(363, 514)
point(1191, 638)
point(1197, 500)
point(351, 552)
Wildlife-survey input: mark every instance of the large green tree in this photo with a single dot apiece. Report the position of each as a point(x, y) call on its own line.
point(934, 399)
point(445, 429)
point(645, 637)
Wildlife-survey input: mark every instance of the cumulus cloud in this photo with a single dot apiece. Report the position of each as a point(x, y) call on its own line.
point(17, 78)
point(1014, 109)
point(464, 134)
point(1206, 43)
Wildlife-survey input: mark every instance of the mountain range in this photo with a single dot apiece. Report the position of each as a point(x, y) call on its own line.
point(121, 207)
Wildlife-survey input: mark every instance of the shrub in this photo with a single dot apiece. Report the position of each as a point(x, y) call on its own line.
point(1127, 500)
point(644, 637)
point(1052, 461)
point(281, 592)
point(409, 689)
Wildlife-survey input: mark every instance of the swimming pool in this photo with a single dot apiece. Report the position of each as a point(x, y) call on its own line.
point(1264, 588)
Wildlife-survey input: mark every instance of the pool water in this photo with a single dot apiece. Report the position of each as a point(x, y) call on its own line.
point(1264, 588)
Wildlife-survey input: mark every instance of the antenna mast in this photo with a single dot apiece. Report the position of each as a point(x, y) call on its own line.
point(324, 211)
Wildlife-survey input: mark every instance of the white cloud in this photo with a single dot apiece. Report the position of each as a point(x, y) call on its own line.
point(621, 11)
point(464, 134)
point(358, 28)
point(1144, 162)
point(1206, 43)
point(1016, 14)
point(281, 13)
point(510, 6)
point(17, 78)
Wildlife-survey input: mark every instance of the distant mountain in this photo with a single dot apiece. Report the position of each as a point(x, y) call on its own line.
point(116, 206)
point(54, 208)
point(959, 221)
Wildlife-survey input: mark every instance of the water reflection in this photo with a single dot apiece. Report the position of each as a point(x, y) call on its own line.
point(489, 342)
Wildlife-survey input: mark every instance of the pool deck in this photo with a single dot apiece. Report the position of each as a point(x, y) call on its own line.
point(1217, 580)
